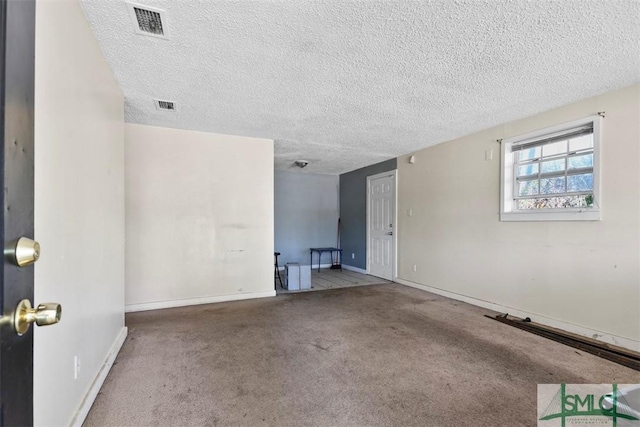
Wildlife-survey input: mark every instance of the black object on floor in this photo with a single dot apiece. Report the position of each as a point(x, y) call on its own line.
point(277, 272)
point(615, 354)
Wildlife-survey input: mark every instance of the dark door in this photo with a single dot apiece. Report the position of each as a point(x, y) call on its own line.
point(17, 52)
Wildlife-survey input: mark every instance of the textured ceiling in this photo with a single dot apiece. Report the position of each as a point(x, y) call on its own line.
point(345, 84)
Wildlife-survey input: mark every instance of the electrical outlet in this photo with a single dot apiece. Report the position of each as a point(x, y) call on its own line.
point(415, 268)
point(76, 367)
point(353, 256)
point(409, 212)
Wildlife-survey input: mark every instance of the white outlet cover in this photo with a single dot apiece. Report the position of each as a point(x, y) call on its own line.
point(488, 155)
point(76, 367)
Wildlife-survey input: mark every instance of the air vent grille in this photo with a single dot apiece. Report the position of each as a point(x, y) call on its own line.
point(149, 21)
point(165, 105)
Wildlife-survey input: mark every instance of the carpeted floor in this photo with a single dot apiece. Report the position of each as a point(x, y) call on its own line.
point(372, 355)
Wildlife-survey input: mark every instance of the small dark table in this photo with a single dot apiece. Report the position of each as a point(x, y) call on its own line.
point(321, 250)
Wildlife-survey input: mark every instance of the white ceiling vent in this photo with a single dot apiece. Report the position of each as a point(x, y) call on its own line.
point(165, 105)
point(148, 21)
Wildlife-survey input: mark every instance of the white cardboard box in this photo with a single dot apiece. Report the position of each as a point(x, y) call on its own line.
point(305, 277)
point(292, 276)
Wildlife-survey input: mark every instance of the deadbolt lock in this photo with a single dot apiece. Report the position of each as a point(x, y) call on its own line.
point(23, 251)
point(44, 314)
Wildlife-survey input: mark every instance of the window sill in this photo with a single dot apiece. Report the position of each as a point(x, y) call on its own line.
point(586, 215)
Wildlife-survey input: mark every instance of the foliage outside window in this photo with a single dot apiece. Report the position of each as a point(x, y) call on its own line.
point(552, 174)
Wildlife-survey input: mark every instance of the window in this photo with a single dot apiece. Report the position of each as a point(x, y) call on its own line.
point(552, 174)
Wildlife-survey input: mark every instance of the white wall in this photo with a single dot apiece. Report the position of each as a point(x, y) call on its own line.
point(306, 215)
point(199, 218)
point(79, 209)
point(580, 275)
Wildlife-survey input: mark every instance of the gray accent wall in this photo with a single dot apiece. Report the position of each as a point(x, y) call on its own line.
point(353, 212)
point(306, 214)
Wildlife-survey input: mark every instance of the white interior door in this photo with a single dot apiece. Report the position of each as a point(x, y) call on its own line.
point(381, 221)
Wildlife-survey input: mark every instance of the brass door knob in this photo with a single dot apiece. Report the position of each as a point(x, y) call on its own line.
point(23, 251)
point(45, 314)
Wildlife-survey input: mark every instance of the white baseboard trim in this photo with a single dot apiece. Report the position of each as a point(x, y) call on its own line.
point(87, 402)
point(549, 321)
point(356, 269)
point(196, 301)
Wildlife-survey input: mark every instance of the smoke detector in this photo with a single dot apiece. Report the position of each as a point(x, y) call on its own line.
point(301, 163)
point(148, 21)
point(164, 105)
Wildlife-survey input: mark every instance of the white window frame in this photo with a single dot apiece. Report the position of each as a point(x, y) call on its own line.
point(507, 203)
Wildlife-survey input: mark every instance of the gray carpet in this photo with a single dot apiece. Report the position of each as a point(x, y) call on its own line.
point(372, 355)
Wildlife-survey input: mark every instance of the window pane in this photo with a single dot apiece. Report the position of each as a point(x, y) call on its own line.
point(530, 169)
point(559, 147)
point(553, 166)
point(552, 185)
point(577, 162)
point(582, 182)
point(581, 143)
point(528, 188)
point(529, 153)
point(580, 201)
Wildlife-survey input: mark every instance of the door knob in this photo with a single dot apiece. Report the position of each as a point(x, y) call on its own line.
point(44, 314)
point(390, 233)
point(23, 251)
